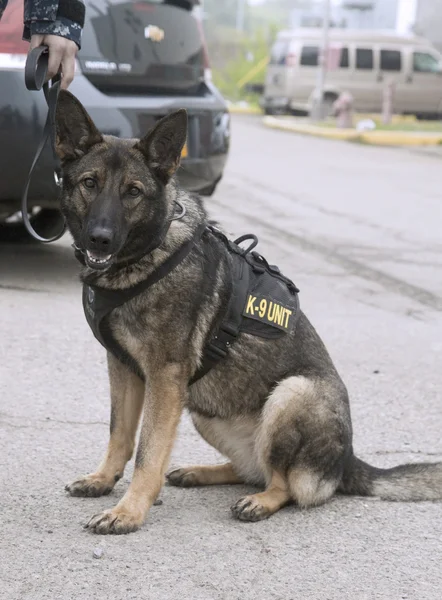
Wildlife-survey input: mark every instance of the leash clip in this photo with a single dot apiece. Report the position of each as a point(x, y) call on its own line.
point(58, 179)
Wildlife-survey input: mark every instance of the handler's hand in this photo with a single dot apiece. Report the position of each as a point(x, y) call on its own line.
point(62, 52)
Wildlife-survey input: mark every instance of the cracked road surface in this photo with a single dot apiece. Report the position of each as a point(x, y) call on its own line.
point(358, 229)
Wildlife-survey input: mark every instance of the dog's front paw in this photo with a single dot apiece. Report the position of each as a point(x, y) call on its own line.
point(90, 486)
point(249, 508)
point(116, 521)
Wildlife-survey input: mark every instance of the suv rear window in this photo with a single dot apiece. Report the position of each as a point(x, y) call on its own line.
point(143, 47)
point(309, 56)
point(391, 60)
point(364, 58)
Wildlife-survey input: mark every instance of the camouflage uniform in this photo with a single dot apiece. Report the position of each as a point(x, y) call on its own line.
point(56, 17)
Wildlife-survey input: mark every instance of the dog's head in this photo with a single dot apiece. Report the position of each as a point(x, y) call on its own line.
point(114, 195)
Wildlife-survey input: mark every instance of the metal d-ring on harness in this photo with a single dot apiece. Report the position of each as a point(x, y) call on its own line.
point(35, 75)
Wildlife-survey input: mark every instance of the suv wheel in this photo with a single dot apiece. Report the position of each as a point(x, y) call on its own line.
point(47, 222)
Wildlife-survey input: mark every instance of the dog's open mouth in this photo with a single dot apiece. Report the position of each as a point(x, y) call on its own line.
point(97, 260)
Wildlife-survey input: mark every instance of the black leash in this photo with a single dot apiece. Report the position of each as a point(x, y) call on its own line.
point(35, 75)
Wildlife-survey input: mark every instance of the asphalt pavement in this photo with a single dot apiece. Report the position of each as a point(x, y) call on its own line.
point(358, 229)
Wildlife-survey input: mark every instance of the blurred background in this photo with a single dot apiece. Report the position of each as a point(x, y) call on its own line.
point(349, 66)
point(240, 33)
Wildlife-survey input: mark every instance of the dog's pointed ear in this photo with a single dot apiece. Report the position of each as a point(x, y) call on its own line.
point(76, 132)
point(163, 145)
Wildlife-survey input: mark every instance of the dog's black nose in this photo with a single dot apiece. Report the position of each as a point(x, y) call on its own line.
point(100, 238)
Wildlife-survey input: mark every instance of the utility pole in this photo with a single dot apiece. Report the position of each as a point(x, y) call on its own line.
point(318, 94)
point(240, 13)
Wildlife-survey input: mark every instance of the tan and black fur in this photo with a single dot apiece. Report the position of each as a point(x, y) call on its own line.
point(277, 409)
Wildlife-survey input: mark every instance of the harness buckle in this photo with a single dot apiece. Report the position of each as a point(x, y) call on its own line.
point(215, 351)
point(230, 330)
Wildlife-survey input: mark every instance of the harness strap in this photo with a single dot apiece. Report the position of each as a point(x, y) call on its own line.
point(98, 302)
point(218, 347)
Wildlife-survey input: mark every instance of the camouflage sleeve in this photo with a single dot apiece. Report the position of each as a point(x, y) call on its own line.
point(56, 17)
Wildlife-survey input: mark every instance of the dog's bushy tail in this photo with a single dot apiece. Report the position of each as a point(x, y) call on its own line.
point(406, 483)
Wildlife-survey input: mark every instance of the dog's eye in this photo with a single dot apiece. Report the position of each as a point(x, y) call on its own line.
point(89, 182)
point(134, 191)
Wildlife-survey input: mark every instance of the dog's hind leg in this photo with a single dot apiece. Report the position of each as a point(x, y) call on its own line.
point(204, 475)
point(127, 394)
point(301, 444)
point(260, 506)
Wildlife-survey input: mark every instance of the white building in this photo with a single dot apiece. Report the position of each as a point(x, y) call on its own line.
point(359, 14)
point(423, 17)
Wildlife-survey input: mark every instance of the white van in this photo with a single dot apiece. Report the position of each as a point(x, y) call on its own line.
point(364, 61)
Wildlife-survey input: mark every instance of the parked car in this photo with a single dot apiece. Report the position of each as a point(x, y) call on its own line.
point(139, 61)
point(363, 63)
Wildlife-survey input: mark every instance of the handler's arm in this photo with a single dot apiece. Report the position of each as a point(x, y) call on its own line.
point(58, 24)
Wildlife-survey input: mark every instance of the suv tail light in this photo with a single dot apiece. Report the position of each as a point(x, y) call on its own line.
point(13, 49)
point(206, 62)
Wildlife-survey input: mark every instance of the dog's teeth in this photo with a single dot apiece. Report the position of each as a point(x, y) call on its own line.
point(97, 260)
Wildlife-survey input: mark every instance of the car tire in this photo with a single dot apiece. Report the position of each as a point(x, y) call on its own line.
point(48, 222)
point(296, 112)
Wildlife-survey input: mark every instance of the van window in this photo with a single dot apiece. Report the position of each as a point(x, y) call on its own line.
point(425, 63)
point(279, 52)
point(391, 60)
point(364, 58)
point(344, 63)
point(309, 56)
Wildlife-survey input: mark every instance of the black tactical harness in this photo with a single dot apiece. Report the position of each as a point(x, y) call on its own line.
point(263, 302)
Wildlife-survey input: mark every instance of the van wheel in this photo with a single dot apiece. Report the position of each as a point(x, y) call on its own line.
point(296, 112)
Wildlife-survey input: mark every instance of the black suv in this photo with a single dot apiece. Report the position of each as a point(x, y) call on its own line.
point(139, 61)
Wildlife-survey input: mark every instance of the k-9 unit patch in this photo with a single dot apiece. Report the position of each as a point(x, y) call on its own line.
point(267, 310)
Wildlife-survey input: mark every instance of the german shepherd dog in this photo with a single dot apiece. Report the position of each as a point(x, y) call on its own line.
point(277, 409)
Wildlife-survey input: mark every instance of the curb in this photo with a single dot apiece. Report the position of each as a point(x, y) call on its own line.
point(377, 138)
point(244, 110)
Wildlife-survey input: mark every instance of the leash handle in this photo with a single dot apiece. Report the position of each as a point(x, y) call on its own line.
point(36, 69)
